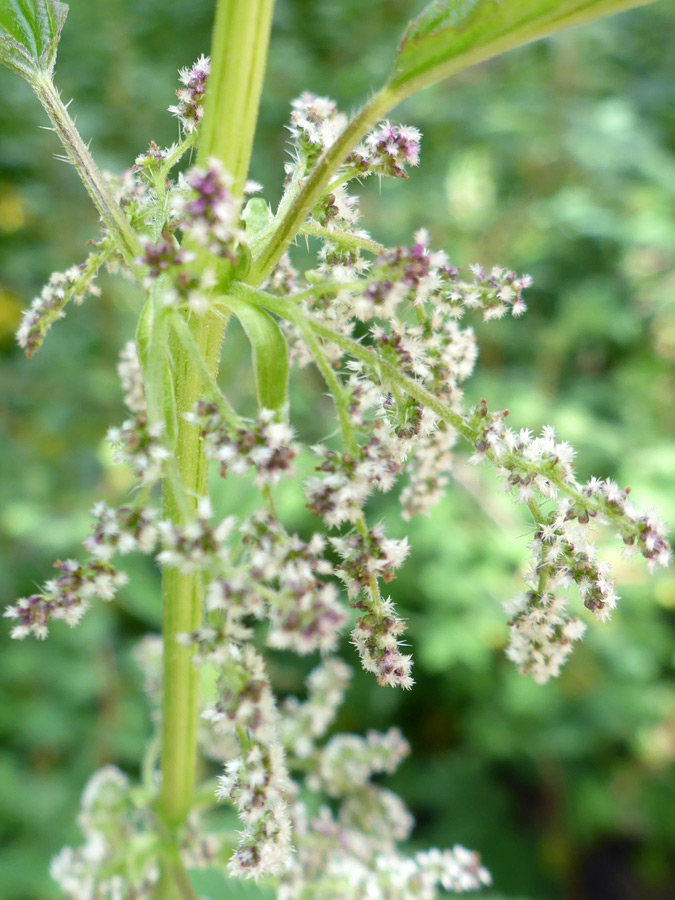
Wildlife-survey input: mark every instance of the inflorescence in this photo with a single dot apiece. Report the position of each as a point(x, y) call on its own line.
point(383, 327)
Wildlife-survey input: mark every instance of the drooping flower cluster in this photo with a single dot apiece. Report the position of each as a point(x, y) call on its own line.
point(564, 552)
point(65, 597)
point(347, 762)
point(302, 724)
point(62, 287)
point(190, 107)
point(376, 637)
point(256, 779)
point(304, 610)
point(353, 852)
point(365, 557)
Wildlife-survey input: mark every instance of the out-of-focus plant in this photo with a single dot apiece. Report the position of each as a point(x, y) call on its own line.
point(382, 327)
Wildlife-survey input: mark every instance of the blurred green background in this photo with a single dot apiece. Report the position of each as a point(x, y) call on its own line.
point(554, 160)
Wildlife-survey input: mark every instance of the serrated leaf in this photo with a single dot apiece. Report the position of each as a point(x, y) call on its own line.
point(450, 35)
point(29, 35)
point(270, 354)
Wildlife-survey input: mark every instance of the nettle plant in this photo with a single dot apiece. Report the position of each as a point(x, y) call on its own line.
point(384, 328)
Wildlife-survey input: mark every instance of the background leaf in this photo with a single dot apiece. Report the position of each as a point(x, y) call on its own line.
point(450, 35)
point(29, 35)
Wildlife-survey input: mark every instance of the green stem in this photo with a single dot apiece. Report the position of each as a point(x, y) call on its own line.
point(78, 153)
point(345, 238)
point(242, 27)
point(182, 594)
point(238, 59)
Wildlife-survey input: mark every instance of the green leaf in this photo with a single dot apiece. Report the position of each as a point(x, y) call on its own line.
point(450, 35)
point(29, 35)
point(257, 215)
point(151, 343)
point(270, 354)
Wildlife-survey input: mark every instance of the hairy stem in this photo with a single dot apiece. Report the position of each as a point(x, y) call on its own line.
point(78, 154)
point(238, 59)
point(344, 238)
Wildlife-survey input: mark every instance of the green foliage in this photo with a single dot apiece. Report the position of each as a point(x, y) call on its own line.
point(29, 35)
point(269, 354)
point(449, 35)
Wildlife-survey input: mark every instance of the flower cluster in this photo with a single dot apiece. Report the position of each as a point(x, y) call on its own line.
point(196, 545)
point(352, 851)
point(304, 610)
point(120, 531)
point(97, 870)
point(376, 637)
point(350, 864)
point(344, 481)
point(131, 378)
point(256, 779)
point(207, 211)
point(66, 597)
point(368, 556)
point(266, 445)
point(347, 762)
point(302, 724)
point(190, 107)
point(387, 151)
point(207, 214)
point(141, 445)
point(564, 552)
point(315, 124)
point(119, 857)
point(62, 287)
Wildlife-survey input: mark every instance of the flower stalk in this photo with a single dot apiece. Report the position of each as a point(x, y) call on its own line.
point(78, 154)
